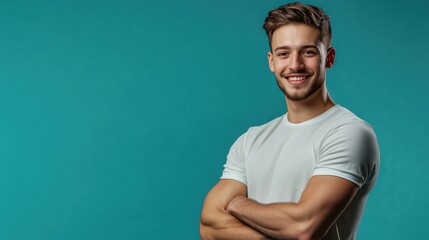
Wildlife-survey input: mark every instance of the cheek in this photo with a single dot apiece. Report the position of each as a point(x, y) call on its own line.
point(315, 65)
point(280, 66)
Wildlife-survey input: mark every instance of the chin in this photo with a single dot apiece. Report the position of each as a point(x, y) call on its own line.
point(301, 94)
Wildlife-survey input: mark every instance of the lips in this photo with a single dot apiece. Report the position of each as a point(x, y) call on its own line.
point(297, 79)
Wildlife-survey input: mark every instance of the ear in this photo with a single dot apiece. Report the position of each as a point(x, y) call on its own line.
point(270, 61)
point(330, 58)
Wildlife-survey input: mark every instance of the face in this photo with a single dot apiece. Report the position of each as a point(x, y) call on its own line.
point(299, 60)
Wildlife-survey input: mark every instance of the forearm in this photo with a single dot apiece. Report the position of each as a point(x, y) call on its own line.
point(227, 227)
point(243, 232)
point(321, 203)
point(278, 222)
point(216, 223)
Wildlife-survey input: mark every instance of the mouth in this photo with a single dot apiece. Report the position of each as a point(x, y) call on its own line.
point(297, 79)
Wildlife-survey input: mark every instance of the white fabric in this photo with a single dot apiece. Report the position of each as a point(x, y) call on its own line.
point(276, 160)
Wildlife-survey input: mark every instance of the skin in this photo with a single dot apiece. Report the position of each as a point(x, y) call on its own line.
point(217, 223)
point(299, 61)
point(298, 52)
point(322, 202)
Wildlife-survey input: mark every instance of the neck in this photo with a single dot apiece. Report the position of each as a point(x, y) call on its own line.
point(316, 104)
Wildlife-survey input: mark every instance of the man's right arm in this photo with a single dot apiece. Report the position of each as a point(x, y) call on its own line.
point(216, 223)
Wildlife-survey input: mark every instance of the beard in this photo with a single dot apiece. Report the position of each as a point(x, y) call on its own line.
point(301, 95)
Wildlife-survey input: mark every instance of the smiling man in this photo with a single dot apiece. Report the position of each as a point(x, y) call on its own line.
point(308, 173)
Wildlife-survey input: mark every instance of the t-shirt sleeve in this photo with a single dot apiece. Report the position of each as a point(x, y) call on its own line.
point(234, 167)
point(349, 151)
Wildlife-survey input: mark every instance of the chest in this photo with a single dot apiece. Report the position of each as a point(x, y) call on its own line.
point(279, 167)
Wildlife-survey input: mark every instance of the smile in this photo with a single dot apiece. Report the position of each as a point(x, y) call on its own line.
point(297, 79)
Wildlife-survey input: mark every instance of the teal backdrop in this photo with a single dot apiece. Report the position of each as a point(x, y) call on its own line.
point(116, 116)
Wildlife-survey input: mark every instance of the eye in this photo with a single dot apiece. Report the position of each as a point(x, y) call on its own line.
point(310, 52)
point(283, 54)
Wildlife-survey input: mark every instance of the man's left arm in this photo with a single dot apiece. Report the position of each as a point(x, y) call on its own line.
point(322, 202)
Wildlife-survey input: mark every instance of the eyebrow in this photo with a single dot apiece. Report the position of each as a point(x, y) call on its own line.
point(288, 48)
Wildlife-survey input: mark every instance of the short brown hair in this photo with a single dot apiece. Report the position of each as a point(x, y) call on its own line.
point(299, 13)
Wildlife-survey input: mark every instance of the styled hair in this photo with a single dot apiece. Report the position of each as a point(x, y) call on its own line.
point(299, 13)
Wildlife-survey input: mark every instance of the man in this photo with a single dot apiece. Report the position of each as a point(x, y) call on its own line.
point(307, 174)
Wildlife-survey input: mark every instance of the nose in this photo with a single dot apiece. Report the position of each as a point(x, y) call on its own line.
point(296, 63)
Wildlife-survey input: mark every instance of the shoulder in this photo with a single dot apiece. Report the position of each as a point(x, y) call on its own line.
point(346, 129)
point(343, 120)
point(351, 145)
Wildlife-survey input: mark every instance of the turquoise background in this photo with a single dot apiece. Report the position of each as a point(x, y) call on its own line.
point(116, 116)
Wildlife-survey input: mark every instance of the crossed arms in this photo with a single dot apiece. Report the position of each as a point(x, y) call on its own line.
point(229, 215)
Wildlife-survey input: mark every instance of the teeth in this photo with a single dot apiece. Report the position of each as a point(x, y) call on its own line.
point(297, 78)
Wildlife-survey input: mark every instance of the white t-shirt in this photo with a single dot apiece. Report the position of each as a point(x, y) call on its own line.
point(276, 160)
